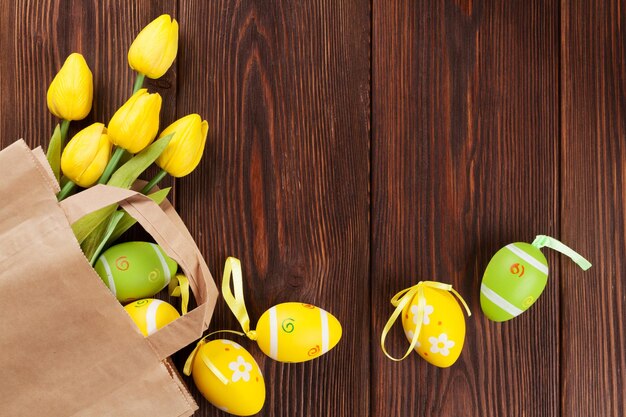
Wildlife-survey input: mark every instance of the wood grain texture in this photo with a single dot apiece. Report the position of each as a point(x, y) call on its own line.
point(593, 354)
point(284, 182)
point(37, 36)
point(491, 122)
point(465, 160)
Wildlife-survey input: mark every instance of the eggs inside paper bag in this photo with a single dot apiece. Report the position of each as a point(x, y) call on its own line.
point(229, 377)
point(135, 270)
point(150, 315)
point(442, 334)
point(297, 332)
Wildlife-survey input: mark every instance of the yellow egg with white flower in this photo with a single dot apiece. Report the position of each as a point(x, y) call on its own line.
point(297, 332)
point(442, 333)
point(229, 377)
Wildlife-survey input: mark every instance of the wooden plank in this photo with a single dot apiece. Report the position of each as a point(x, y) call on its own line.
point(37, 36)
point(283, 184)
point(593, 305)
point(465, 160)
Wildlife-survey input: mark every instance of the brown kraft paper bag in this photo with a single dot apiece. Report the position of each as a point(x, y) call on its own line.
point(67, 346)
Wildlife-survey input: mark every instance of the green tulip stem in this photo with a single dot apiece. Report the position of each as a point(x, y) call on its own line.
point(138, 82)
point(66, 190)
point(154, 181)
point(65, 125)
point(111, 166)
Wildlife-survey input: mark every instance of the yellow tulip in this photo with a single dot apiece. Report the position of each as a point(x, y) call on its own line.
point(155, 47)
point(182, 155)
point(135, 125)
point(86, 155)
point(71, 91)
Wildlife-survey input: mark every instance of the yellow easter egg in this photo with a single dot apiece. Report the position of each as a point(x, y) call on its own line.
point(297, 332)
point(150, 315)
point(442, 334)
point(229, 377)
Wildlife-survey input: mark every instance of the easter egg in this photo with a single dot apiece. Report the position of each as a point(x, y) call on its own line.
point(297, 332)
point(150, 315)
point(442, 333)
point(514, 279)
point(229, 377)
point(135, 270)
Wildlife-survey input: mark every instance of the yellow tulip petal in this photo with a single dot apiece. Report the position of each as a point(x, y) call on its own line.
point(70, 94)
point(86, 155)
point(155, 47)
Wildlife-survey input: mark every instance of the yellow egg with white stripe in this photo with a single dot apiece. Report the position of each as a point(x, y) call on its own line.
point(150, 315)
point(297, 332)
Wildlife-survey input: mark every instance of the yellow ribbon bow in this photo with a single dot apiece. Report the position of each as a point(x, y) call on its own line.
point(232, 268)
point(205, 359)
point(404, 298)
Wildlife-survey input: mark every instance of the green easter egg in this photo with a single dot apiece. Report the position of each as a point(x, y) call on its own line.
point(514, 279)
point(135, 270)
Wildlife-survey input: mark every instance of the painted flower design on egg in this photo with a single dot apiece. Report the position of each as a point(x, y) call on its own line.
point(241, 369)
point(409, 335)
point(428, 310)
point(441, 344)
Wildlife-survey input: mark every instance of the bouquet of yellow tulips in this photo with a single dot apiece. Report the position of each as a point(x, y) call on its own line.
point(66, 337)
point(95, 154)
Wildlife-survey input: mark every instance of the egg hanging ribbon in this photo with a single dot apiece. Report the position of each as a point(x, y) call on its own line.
point(232, 267)
point(403, 299)
point(550, 242)
point(206, 360)
point(179, 287)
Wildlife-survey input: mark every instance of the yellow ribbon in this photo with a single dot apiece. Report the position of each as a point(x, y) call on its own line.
point(232, 268)
point(205, 359)
point(179, 287)
point(404, 298)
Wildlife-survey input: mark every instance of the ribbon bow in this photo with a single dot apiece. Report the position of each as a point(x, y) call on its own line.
point(404, 298)
point(236, 303)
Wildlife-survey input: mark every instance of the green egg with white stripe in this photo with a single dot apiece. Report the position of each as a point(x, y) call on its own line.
point(517, 275)
point(135, 270)
point(514, 279)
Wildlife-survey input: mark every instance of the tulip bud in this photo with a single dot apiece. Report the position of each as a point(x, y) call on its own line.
point(155, 47)
point(135, 124)
point(71, 91)
point(182, 155)
point(86, 155)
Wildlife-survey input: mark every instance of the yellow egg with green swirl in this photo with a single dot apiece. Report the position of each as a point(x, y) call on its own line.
point(297, 332)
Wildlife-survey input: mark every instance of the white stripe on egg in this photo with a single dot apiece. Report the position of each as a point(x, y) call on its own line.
point(107, 269)
point(325, 335)
point(151, 313)
point(273, 334)
point(166, 270)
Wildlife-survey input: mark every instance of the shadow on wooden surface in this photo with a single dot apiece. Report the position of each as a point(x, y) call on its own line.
point(489, 122)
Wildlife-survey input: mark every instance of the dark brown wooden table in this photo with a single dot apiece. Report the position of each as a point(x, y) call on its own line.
point(357, 147)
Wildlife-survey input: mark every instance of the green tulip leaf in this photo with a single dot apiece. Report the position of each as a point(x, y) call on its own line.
point(89, 223)
point(54, 152)
point(127, 221)
point(113, 222)
point(128, 173)
point(92, 242)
